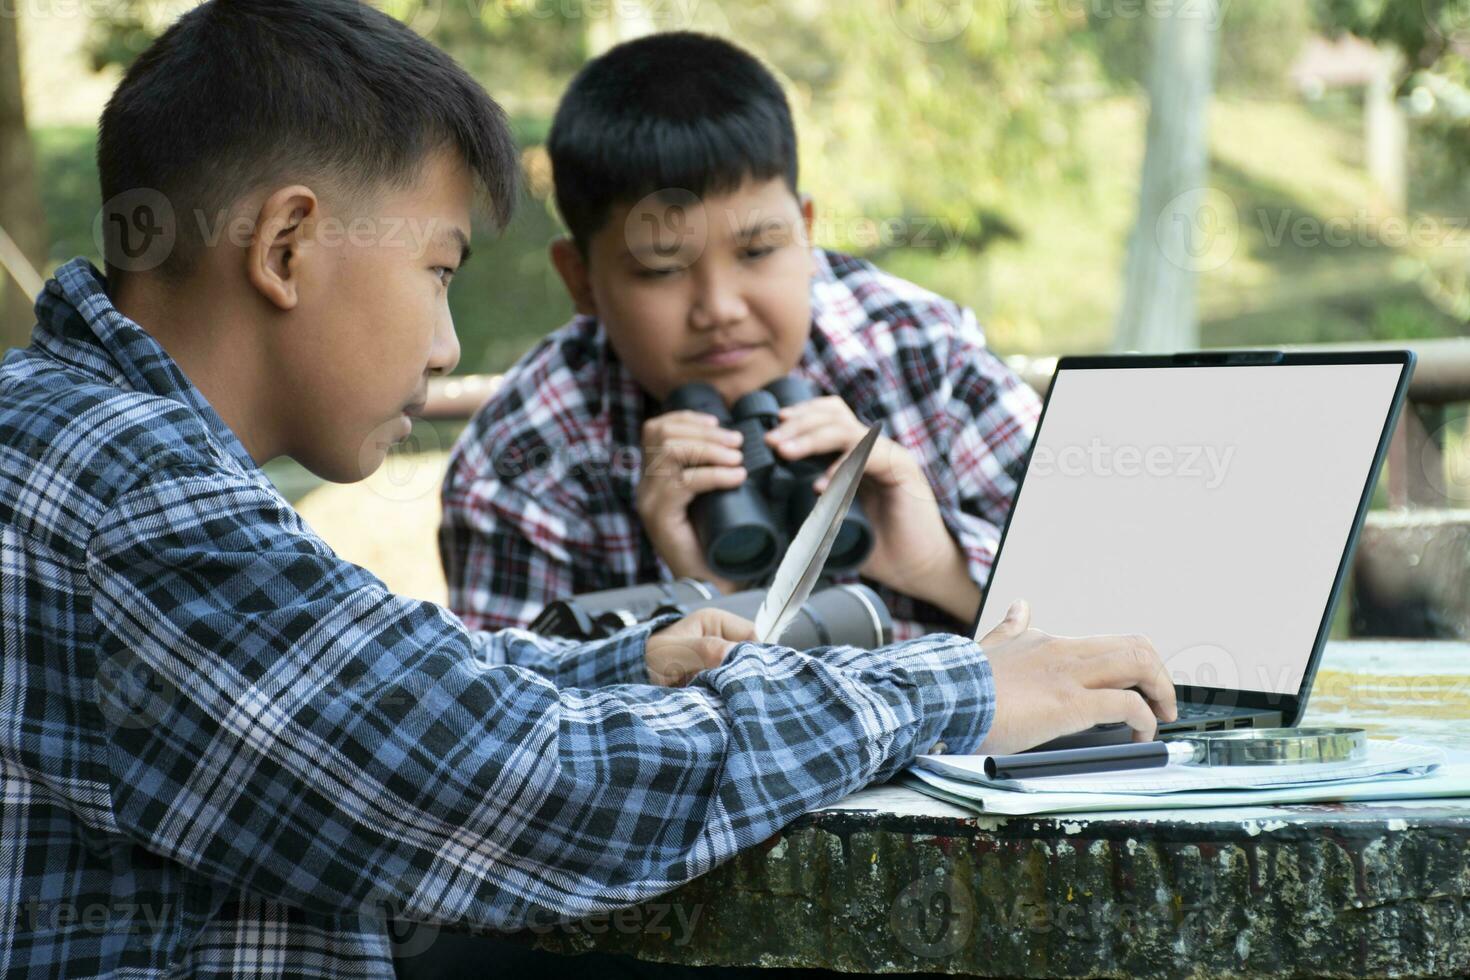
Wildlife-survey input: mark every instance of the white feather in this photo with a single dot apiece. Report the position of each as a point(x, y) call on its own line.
point(799, 571)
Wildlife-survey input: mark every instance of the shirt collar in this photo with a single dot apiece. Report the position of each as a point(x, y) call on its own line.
point(621, 400)
point(840, 356)
point(77, 323)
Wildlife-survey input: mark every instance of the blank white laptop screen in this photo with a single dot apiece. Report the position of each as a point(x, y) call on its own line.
point(1205, 507)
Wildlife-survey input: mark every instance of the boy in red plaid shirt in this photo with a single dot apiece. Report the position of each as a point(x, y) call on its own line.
point(674, 160)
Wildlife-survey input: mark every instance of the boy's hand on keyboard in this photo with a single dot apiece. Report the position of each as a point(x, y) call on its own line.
point(697, 642)
point(913, 551)
point(1048, 686)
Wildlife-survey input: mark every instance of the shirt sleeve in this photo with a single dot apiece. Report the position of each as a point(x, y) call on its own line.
point(313, 738)
point(507, 553)
point(993, 415)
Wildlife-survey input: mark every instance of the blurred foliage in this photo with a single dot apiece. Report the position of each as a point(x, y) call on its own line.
point(1258, 38)
point(1432, 37)
point(989, 151)
point(857, 73)
point(1428, 32)
point(908, 129)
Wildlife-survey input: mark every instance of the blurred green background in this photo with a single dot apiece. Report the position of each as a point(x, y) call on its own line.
point(1002, 162)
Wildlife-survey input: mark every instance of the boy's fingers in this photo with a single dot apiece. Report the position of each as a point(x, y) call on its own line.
point(701, 453)
point(1128, 667)
point(805, 422)
point(686, 432)
point(1016, 622)
point(701, 479)
point(701, 419)
point(732, 627)
point(813, 424)
point(887, 466)
point(711, 651)
point(682, 453)
point(802, 410)
point(807, 414)
point(1107, 707)
point(698, 642)
point(813, 442)
point(674, 660)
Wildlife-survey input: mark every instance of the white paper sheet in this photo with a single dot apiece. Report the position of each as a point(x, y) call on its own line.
point(1451, 779)
point(1383, 757)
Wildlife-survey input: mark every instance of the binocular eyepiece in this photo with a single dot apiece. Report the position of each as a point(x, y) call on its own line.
point(745, 531)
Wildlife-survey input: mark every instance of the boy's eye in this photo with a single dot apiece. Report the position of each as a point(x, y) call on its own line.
point(758, 251)
point(653, 272)
point(445, 274)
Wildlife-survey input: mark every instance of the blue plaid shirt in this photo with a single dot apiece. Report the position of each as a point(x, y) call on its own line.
point(226, 751)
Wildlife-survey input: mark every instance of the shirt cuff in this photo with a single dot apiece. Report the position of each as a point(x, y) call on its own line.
point(965, 700)
point(619, 659)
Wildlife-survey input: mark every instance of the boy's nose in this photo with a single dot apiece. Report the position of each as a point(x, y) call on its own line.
point(444, 354)
point(717, 305)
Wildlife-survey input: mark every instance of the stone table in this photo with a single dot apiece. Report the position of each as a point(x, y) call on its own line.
point(890, 880)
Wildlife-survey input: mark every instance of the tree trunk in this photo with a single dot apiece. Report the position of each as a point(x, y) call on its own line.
point(20, 206)
point(1386, 133)
point(1180, 221)
point(623, 22)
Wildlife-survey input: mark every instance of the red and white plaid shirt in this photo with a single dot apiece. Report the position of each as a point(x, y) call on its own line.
point(539, 497)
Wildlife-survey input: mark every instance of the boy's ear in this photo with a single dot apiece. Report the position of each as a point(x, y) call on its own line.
point(572, 268)
point(275, 256)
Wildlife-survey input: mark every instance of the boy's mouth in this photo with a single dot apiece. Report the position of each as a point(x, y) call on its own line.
point(725, 355)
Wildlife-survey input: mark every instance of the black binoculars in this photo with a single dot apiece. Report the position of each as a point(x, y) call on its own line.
point(843, 615)
point(745, 531)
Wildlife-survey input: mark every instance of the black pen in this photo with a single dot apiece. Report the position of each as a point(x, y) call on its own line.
point(1101, 758)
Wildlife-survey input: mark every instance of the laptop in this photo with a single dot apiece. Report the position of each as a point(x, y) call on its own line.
point(1208, 500)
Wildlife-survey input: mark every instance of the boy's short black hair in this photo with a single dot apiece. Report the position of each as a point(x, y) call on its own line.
point(668, 111)
point(238, 93)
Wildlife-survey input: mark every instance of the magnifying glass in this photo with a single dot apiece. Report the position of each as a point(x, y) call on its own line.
point(1242, 747)
point(1273, 746)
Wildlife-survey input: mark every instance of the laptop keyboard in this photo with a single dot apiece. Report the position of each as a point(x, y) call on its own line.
point(1213, 718)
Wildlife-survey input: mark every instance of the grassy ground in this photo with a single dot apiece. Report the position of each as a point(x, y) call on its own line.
point(387, 523)
point(1279, 165)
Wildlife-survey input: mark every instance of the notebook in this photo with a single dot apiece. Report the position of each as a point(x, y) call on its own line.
point(1393, 770)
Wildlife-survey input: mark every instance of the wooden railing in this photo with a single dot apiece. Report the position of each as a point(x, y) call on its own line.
point(460, 396)
point(1442, 378)
point(1412, 569)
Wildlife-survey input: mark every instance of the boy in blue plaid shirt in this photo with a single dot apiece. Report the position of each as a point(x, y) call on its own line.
point(688, 260)
point(224, 751)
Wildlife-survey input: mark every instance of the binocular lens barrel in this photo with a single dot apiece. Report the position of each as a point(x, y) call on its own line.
point(843, 615)
point(850, 615)
point(745, 530)
point(604, 613)
point(851, 546)
point(854, 541)
point(741, 540)
point(698, 397)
